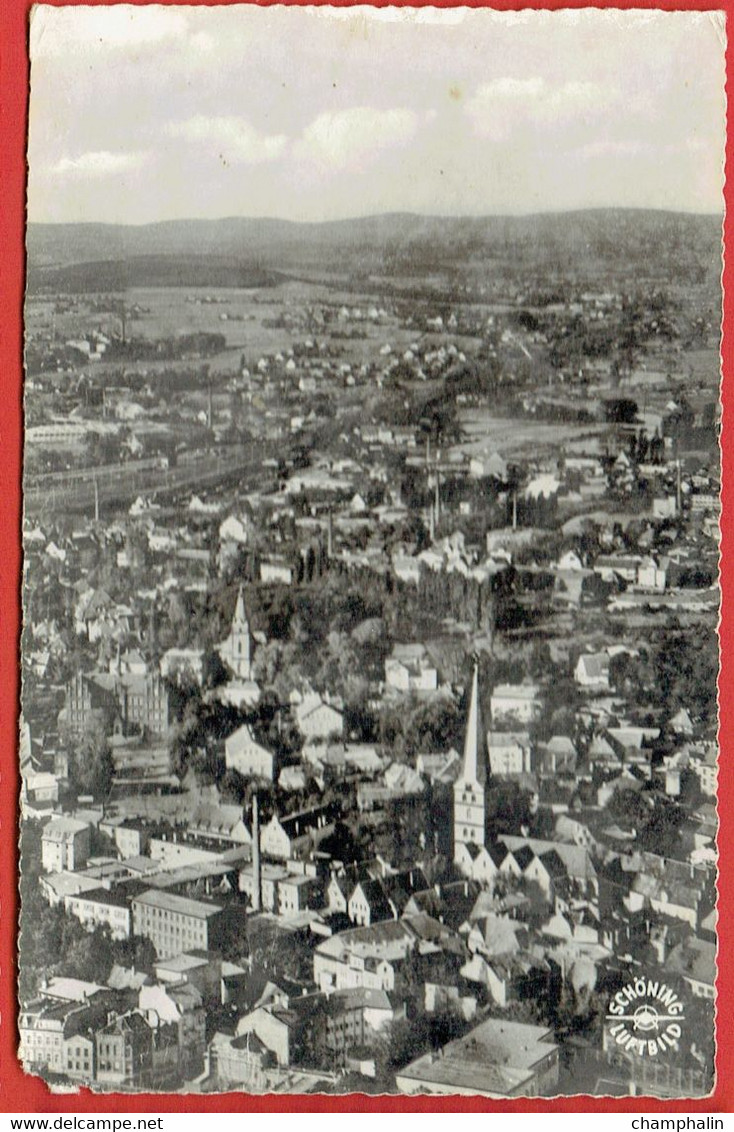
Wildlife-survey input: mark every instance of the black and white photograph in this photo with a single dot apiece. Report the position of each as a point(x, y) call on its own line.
point(371, 517)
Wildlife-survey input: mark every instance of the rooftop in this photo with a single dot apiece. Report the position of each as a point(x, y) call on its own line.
point(180, 904)
point(495, 1058)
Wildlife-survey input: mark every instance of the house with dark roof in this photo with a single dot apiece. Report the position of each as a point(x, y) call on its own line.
point(369, 902)
point(295, 835)
point(549, 873)
point(56, 1035)
point(576, 858)
point(509, 978)
point(483, 863)
point(103, 907)
point(449, 903)
point(400, 886)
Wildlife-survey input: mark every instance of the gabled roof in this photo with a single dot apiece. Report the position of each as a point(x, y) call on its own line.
point(595, 665)
point(62, 829)
point(126, 978)
point(132, 1023)
point(576, 858)
point(499, 934)
point(376, 898)
point(216, 819)
point(553, 864)
point(524, 856)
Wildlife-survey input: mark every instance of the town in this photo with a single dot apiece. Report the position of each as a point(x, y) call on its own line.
point(369, 714)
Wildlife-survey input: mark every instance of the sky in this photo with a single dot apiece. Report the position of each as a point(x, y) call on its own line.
point(151, 113)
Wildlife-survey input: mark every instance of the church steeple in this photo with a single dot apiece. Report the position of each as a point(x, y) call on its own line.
point(475, 763)
point(239, 621)
point(470, 818)
point(236, 651)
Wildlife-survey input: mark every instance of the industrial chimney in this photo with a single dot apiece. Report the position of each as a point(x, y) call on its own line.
point(256, 878)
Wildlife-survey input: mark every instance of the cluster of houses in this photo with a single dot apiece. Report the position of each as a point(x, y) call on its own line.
point(281, 959)
point(515, 914)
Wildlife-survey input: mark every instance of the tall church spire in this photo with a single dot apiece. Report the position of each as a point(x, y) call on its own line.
point(470, 814)
point(475, 763)
point(236, 651)
point(240, 616)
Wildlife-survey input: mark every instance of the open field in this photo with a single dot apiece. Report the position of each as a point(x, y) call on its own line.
point(704, 365)
point(514, 435)
point(239, 315)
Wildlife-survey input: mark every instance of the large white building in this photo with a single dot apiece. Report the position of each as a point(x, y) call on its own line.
point(65, 845)
point(515, 703)
point(243, 753)
point(498, 1059)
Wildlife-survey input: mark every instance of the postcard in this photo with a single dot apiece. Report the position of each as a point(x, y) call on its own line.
point(371, 500)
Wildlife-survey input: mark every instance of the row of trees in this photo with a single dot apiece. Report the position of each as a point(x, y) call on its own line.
point(51, 942)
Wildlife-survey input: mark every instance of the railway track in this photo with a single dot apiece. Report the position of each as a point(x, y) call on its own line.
point(116, 485)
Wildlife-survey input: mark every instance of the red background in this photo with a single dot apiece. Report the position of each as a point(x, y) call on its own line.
point(19, 1093)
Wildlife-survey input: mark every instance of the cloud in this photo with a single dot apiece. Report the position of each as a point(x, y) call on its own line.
point(353, 138)
point(498, 107)
point(237, 140)
point(99, 163)
point(59, 31)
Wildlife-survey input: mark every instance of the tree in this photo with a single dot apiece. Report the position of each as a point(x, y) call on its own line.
point(138, 952)
point(508, 806)
point(630, 807)
point(233, 787)
point(91, 767)
point(84, 954)
point(686, 671)
point(50, 941)
point(214, 672)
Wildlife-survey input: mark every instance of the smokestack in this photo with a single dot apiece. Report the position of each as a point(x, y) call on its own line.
point(256, 878)
point(210, 405)
point(152, 634)
point(96, 500)
point(431, 523)
point(514, 510)
point(330, 536)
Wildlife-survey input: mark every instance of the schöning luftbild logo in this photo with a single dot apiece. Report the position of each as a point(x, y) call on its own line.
point(645, 1017)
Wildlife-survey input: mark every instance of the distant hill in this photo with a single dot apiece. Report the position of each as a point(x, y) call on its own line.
point(200, 252)
point(161, 270)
